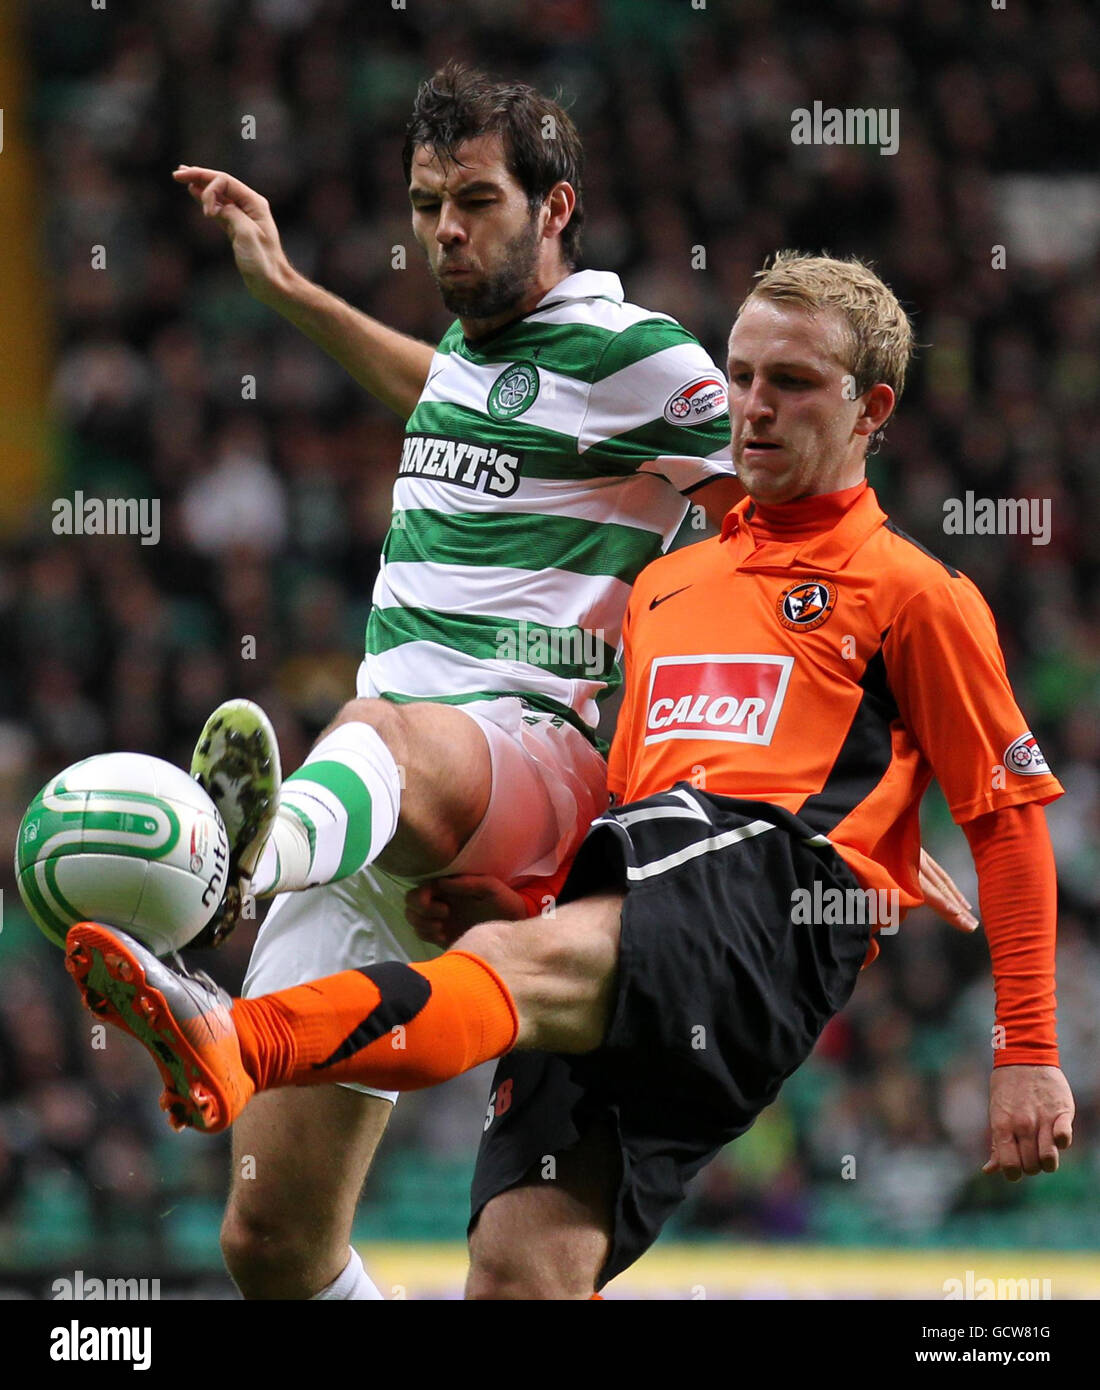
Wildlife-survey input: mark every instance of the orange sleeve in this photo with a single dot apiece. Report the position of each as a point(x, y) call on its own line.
point(947, 673)
point(535, 891)
point(1018, 894)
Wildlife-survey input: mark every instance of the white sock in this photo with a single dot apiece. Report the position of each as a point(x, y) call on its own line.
point(353, 1284)
point(336, 813)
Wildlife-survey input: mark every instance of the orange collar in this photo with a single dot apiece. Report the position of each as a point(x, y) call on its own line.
point(832, 532)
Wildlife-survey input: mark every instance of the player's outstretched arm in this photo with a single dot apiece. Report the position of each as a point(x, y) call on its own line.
point(1030, 1104)
point(391, 365)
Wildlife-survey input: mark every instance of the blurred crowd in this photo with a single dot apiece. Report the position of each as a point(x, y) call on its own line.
point(273, 472)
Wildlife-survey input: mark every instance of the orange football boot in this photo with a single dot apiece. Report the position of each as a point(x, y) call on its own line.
point(182, 1020)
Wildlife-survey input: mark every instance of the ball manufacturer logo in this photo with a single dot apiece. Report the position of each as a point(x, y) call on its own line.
point(1024, 756)
point(701, 399)
point(215, 887)
point(513, 392)
point(806, 605)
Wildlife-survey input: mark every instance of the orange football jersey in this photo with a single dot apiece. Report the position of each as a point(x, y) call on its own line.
point(817, 658)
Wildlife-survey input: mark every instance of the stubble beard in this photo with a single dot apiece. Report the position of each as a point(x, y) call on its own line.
point(504, 287)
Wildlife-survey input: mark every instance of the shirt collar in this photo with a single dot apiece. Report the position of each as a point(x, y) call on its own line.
point(830, 548)
point(584, 284)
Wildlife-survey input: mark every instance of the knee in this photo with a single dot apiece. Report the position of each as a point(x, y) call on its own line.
point(250, 1243)
point(386, 718)
point(510, 1278)
point(268, 1256)
point(483, 1285)
point(511, 1259)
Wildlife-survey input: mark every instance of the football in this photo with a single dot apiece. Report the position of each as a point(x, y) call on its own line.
point(127, 840)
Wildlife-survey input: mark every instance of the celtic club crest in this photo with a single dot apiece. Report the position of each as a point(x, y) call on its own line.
point(513, 392)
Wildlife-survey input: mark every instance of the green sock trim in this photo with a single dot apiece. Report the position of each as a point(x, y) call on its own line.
point(354, 795)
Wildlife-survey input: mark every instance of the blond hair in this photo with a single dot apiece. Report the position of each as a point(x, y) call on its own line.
point(879, 333)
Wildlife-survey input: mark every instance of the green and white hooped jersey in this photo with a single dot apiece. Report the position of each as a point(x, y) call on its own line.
point(542, 469)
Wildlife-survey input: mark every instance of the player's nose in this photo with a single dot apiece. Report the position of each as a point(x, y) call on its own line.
point(758, 405)
point(449, 228)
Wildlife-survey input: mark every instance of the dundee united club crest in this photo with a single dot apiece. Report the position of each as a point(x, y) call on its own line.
point(806, 605)
point(513, 392)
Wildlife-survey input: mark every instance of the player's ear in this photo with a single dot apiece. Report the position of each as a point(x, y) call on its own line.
point(559, 204)
point(878, 406)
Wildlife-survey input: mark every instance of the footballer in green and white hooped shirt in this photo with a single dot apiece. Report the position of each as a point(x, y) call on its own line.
point(542, 469)
point(553, 439)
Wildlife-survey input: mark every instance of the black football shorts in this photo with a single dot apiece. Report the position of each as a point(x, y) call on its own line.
point(722, 991)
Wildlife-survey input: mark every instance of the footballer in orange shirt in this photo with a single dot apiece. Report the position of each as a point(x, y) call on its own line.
point(791, 687)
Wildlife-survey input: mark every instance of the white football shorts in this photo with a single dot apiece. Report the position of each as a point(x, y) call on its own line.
point(548, 784)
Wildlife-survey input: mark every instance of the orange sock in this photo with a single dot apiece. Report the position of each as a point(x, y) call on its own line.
point(397, 1027)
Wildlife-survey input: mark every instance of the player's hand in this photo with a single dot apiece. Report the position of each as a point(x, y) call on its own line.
point(1031, 1118)
point(248, 223)
point(442, 910)
point(942, 896)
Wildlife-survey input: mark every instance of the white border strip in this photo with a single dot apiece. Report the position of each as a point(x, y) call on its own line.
point(670, 861)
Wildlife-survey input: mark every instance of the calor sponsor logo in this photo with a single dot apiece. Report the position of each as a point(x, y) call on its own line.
point(733, 698)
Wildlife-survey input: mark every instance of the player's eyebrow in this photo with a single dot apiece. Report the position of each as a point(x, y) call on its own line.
point(794, 367)
point(420, 194)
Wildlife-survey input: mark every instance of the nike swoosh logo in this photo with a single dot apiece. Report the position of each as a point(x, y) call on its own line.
point(404, 993)
point(656, 602)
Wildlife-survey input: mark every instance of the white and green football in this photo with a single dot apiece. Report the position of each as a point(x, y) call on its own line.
point(127, 840)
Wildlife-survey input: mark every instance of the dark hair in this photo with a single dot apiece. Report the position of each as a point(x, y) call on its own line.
point(541, 144)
